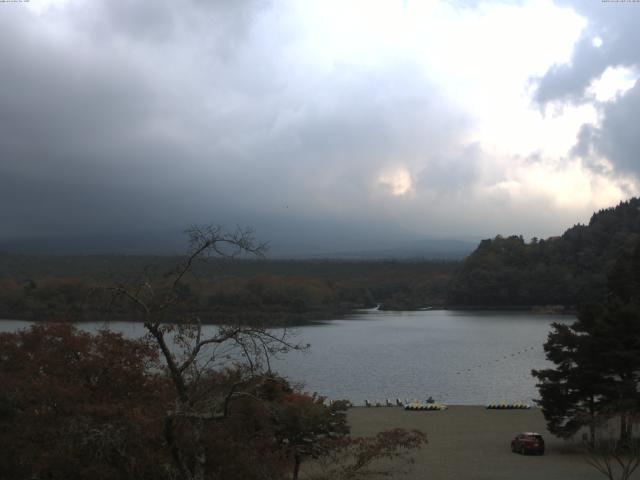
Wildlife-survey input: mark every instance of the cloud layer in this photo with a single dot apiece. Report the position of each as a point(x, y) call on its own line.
point(606, 55)
point(120, 116)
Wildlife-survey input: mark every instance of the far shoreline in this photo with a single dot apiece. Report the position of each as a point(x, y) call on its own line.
point(321, 320)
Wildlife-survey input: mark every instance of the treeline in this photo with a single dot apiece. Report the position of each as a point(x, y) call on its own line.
point(568, 270)
point(220, 290)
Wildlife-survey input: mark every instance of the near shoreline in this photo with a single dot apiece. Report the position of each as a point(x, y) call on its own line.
point(473, 443)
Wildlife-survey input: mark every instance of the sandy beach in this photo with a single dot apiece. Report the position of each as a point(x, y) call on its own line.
point(470, 442)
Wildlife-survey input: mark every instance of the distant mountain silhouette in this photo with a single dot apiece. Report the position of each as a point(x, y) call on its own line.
point(288, 238)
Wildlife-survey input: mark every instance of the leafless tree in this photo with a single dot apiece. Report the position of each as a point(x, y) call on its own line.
point(189, 350)
point(613, 459)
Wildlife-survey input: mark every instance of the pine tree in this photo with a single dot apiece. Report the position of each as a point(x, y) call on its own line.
point(571, 392)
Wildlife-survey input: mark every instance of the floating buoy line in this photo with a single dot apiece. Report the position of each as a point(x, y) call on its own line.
point(504, 357)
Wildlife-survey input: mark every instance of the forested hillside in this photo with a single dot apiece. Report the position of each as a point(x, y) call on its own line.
point(220, 290)
point(568, 270)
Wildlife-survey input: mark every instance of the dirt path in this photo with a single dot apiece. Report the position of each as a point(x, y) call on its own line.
point(474, 443)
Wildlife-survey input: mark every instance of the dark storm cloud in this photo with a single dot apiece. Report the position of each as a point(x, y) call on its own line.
point(90, 138)
point(58, 114)
point(616, 25)
point(617, 137)
point(614, 138)
point(115, 115)
point(568, 82)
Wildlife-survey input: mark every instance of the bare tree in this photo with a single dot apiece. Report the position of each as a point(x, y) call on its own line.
point(385, 454)
point(189, 351)
point(612, 458)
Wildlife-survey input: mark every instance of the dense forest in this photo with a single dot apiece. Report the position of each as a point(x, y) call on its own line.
point(220, 290)
point(506, 272)
point(565, 271)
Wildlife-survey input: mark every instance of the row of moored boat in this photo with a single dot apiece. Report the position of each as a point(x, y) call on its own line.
point(508, 406)
point(429, 405)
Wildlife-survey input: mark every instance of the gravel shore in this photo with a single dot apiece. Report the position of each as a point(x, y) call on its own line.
point(470, 442)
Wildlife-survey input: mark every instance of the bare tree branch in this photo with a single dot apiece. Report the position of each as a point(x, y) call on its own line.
point(181, 342)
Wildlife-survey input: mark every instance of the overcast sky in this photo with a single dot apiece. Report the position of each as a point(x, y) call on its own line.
point(439, 118)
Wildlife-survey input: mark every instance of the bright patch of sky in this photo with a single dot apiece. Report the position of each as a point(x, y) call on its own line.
point(483, 60)
point(613, 82)
point(397, 181)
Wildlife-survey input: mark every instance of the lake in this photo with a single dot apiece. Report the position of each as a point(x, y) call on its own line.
point(457, 357)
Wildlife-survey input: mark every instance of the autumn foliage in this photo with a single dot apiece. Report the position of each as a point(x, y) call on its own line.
point(75, 405)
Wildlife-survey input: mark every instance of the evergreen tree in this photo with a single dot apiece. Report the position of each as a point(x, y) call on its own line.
point(597, 360)
point(571, 392)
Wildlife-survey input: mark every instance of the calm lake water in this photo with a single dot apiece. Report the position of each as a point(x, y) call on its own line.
point(458, 357)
